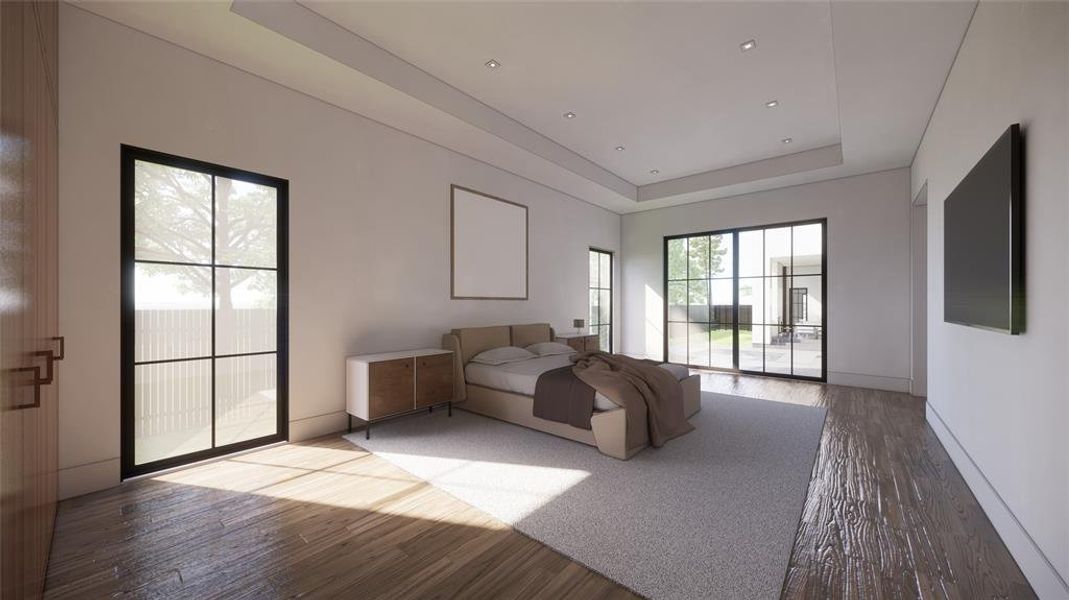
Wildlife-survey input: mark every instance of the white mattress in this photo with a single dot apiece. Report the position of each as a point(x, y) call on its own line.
point(520, 377)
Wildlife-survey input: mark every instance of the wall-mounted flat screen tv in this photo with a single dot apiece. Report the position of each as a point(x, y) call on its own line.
point(983, 278)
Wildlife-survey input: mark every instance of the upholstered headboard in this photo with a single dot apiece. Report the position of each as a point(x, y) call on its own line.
point(474, 340)
point(525, 335)
point(466, 342)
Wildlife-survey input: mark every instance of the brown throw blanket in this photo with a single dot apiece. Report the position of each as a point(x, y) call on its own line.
point(562, 397)
point(641, 388)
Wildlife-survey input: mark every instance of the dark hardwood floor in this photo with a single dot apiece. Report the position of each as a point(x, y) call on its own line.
point(887, 516)
point(319, 519)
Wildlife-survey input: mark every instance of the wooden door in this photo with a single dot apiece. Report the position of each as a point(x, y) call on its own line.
point(28, 280)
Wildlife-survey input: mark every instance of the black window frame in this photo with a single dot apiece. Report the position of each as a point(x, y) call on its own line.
point(612, 283)
point(128, 157)
point(734, 232)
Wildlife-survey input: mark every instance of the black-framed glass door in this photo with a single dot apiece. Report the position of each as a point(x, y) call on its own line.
point(748, 299)
point(204, 310)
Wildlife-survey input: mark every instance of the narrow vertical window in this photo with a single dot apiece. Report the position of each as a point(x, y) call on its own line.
point(203, 310)
point(600, 289)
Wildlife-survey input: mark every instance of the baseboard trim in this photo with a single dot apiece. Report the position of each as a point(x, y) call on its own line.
point(876, 382)
point(78, 480)
point(1037, 568)
point(319, 425)
point(87, 478)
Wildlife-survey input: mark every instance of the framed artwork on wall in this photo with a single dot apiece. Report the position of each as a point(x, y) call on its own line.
point(489, 247)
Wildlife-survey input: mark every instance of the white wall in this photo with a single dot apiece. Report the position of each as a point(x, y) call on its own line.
point(868, 283)
point(919, 296)
point(1000, 403)
point(369, 225)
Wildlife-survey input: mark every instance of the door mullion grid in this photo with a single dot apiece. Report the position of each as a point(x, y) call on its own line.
point(758, 325)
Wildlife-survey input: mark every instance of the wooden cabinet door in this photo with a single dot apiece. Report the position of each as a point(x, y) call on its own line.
point(28, 272)
point(434, 379)
point(390, 387)
point(591, 343)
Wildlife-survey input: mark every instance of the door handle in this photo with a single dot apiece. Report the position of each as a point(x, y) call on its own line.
point(50, 358)
point(62, 347)
point(36, 381)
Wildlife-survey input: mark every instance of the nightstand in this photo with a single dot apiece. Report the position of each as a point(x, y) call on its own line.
point(582, 342)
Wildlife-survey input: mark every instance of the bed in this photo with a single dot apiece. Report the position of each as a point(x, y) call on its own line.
point(506, 391)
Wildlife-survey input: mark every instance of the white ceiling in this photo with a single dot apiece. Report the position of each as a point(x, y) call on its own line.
point(856, 82)
point(666, 81)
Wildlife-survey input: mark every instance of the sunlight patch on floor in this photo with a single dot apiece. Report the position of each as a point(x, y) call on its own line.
point(351, 480)
point(519, 489)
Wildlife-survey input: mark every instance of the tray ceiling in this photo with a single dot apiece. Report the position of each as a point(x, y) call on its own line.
point(855, 82)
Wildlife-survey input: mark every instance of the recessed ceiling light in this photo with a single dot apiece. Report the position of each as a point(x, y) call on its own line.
point(654, 171)
point(786, 140)
point(619, 148)
point(772, 104)
point(748, 45)
point(492, 64)
point(569, 115)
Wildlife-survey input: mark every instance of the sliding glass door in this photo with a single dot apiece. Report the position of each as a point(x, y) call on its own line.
point(203, 311)
point(749, 300)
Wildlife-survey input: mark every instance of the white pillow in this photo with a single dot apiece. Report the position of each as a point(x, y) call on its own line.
point(502, 355)
point(550, 348)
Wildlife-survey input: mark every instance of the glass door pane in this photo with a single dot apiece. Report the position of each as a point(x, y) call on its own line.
point(246, 224)
point(172, 312)
point(246, 399)
point(777, 345)
point(246, 311)
point(751, 347)
point(721, 256)
point(807, 300)
point(172, 409)
point(173, 214)
point(721, 347)
point(808, 351)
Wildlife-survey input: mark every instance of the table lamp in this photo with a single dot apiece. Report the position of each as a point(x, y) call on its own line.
point(578, 324)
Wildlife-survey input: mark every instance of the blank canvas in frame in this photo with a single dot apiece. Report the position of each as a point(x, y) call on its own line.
point(489, 246)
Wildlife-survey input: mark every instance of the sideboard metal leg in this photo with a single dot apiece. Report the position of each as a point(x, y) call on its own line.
point(367, 431)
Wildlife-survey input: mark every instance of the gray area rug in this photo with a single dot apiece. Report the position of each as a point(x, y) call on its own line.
point(712, 514)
